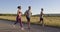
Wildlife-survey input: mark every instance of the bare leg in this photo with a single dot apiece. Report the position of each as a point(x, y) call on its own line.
point(28, 24)
point(42, 23)
point(40, 20)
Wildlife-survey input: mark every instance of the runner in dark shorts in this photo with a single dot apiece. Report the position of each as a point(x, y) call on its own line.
point(28, 18)
point(28, 15)
point(41, 17)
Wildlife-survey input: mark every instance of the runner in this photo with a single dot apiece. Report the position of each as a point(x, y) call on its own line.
point(18, 18)
point(28, 15)
point(41, 17)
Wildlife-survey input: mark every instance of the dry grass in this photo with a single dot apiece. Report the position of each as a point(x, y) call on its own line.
point(51, 21)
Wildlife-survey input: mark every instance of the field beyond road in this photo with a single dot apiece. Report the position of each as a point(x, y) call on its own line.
point(49, 21)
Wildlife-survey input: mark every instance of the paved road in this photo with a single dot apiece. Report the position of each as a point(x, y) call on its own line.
point(6, 26)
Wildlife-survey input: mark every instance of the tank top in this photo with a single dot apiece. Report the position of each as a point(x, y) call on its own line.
point(41, 15)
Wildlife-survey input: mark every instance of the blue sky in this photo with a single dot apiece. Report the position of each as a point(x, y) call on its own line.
point(49, 6)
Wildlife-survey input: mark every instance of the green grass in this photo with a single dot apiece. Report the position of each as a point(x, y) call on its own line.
point(50, 21)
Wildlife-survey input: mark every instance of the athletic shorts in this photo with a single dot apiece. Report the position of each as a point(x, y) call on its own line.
point(41, 18)
point(28, 18)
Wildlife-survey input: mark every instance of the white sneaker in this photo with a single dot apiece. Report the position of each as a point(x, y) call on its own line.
point(22, 28)
point(14, 26)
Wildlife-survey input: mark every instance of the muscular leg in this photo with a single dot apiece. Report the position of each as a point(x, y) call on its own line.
point(40, 20)
point(28, 22)
point(42, 23)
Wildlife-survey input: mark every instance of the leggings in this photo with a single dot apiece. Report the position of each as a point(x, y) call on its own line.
point(18, 20)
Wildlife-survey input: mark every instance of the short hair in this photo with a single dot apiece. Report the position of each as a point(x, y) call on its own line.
point(19, 7)
point(29, 7)
point(42, 9)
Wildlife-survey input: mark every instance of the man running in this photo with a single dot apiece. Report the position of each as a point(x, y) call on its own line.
point(41, 17)
point(28, 15)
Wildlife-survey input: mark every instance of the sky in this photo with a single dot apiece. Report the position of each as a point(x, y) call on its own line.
point(49, 6)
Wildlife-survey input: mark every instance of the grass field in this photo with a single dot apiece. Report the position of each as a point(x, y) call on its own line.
point(50, 21)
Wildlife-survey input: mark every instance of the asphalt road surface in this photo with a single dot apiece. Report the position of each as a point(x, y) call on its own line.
point(7, 26)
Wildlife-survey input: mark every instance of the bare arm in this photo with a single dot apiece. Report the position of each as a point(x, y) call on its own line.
point(17, 12)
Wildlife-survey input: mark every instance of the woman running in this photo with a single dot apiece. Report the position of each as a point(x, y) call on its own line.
point(18, 18)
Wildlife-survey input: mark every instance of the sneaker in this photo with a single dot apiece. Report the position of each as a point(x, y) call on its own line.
point(14, 26)
point(22, 28)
